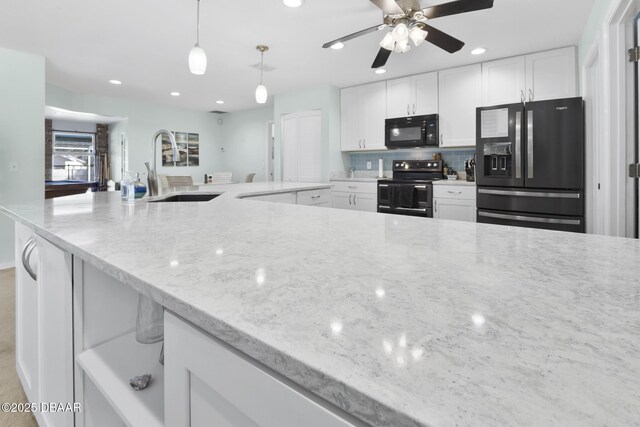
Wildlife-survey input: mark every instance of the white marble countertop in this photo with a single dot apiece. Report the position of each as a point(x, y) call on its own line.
point(400, 321)
point(453, 182)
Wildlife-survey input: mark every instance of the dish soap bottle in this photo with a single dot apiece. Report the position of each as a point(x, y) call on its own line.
point(139, 188)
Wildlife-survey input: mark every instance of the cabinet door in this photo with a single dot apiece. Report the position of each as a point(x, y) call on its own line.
point(552, 74)
point(209, 384)
point(349, 136)
point(26, 314)
point(424, 89)
point(457, 210)
point(365, 202)
point(372, 108)
point(460, 93)
point(290, 147)
point(399, 98)
point(503, 81)
point(55, 331)
point(342, 201)
point(310, 146)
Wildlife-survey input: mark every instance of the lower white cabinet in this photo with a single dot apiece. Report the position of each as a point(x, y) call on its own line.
point(356, 196)
point(44, 341)
point(289, 198)
point(455, 202)
point(207, 383)
point(319, 198)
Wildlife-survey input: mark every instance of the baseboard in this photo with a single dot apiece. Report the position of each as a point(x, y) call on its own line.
point(6, 265)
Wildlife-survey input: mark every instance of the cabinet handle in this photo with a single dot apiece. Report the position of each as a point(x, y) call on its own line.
point(359, 143)
point(364, 143)
point(26, 257)
point(414, 109)
point(353, 187)
point(522, 97)
point(435, 205)
point(354, 200)
point(530, 95)
point(350, 195)
point(315, 197)
point(441, 140)
point(454, 192)
point(408, 111)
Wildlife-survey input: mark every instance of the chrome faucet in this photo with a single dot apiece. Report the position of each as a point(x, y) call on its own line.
point(152, 174)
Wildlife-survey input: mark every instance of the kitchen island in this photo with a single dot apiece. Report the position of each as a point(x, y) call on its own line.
point(382, 320)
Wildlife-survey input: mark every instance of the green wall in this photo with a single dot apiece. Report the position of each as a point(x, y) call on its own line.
point(22, 95)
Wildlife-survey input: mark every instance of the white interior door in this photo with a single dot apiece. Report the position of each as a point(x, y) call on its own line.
point(290, 147)
point(638, 139)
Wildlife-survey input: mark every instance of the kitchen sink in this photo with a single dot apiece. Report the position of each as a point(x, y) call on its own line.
point(187, 198)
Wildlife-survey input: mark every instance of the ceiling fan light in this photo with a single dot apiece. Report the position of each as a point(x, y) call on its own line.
point(197, 60)
point(387, 42)
point(402, 47)
point(400, 33)
point(418, 35)
point(261, 94)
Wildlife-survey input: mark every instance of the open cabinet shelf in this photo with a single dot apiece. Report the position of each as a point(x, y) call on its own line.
point(111, 365)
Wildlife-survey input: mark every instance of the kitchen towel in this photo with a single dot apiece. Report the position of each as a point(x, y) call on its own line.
point(150, 321)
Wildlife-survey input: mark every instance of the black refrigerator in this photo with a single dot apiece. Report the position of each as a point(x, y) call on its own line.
point(530, 164)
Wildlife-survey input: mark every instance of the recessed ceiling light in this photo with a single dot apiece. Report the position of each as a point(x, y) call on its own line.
point(337, 46)
point(220, 101)
point(175, 93)
point(478, 51)
point(292, 3)
point(115, 82)
point(381, 71)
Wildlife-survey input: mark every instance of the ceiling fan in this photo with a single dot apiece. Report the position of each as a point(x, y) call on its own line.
point(409, 22)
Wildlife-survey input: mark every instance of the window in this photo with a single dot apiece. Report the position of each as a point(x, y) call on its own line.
point(74, 157)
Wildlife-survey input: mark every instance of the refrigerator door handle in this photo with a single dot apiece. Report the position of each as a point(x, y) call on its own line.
point(530, 144)
point(529, 194)
point(519, 144)
point(523, 218)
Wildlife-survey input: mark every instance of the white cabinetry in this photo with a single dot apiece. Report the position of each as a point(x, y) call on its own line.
point(460, 93)
point(319, 198)
point(302, 147)
point(412, 96)
point(536, 77)
point(357, 196)
point(44, 341)
point(363, 112)
point(210, 384)
point(455, 202)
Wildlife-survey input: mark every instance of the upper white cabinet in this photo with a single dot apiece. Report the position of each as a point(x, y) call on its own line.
point(363, 112)
point(536, 77)
point(460, 93)
point(302, 147)
point(412, 96)
point(552, 75)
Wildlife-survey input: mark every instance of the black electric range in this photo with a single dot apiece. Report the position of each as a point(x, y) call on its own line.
point(410, 192)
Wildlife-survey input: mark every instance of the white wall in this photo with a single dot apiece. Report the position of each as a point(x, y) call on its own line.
point(22, 94)
point(243, 137)
point(327, 99)
point(68, 125)
point(143, 120)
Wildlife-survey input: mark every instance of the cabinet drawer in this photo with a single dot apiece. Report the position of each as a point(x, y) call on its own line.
point(464, 192)
point(208, 384)
point(355, 187)
point(314, 197)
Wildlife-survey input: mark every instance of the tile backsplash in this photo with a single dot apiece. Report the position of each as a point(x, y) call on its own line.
point(452, 157)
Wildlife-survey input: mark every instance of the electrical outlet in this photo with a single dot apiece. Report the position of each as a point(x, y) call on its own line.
point(13, 166)
point(368, 165)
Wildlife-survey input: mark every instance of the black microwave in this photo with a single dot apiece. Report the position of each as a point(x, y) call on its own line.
point(412, 132)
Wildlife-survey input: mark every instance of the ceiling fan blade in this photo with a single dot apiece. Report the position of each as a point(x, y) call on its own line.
point(381, 58)
point(354, 35)
point(442, 40)
point(389, 7)
point(456, 7)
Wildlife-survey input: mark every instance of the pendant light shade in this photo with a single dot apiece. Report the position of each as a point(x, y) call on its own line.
point(261, 91)
point(197, 60)
point(261, 94)
point(197, 56)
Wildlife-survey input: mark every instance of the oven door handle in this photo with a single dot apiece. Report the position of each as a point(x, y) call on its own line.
point(523, 218)
point(383, 185)
point(529, 194)
point(403, 209)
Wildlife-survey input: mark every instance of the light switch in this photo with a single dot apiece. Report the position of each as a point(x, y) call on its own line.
point(13, 166)
point(368, 165)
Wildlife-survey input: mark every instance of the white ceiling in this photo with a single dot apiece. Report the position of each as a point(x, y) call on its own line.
point(145, 43)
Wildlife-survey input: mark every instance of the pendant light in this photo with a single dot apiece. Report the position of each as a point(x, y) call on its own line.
point(197, 57)
point(261, 90)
